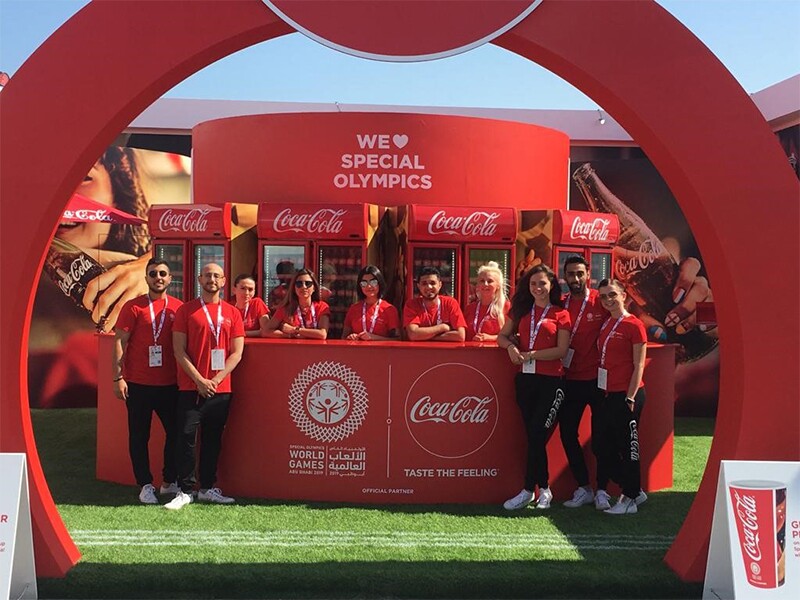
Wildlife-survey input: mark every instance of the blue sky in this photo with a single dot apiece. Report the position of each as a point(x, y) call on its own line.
point(755, 39)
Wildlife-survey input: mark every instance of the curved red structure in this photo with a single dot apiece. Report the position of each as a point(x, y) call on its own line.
point(697, 125)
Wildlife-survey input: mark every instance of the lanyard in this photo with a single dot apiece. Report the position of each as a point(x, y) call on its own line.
point(579, 317)
point(313, 317)
point(246, 309)
point(157, 332)
point(218, 330)
point(438, 311)
point(535, 330)
point(374, 316)
point(477, 326)
point(610, 333)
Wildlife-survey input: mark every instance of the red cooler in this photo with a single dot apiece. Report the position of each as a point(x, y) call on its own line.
point(590, 234)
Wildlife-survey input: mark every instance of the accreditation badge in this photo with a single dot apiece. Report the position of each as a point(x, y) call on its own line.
point(602, 378)
point(567, 360)
point(155, 356)
point(529, 366)
point(217, 359)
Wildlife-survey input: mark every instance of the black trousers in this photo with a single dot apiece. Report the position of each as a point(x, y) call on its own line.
point(577, 396)
point(143, 401)
point(539, 398)
point(617, 442)
point(210, 416)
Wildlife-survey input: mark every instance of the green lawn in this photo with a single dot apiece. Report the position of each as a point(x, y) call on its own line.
point(261, 549)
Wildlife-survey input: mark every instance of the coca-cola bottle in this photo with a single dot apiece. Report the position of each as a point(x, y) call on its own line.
point(642, 262)
point(71, 269)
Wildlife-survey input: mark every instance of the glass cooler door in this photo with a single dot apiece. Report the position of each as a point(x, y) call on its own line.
point(174, 254)
point(202, 255)
point(279, 264)
point(443, 258)
point(338, 268)
point(479, 256)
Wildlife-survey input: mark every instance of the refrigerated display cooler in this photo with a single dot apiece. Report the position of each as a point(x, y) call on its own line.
point(333, 240)
point(457, 240)
point(188, 236)
point(589, 234)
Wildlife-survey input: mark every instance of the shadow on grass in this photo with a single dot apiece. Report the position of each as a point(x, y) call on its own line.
point(390, 579)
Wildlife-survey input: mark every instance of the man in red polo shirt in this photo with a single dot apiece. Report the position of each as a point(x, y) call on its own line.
point(208, 336)
point(145, 376)
point(431, 317)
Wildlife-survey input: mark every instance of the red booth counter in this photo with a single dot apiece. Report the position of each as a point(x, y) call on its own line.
point(382, 422)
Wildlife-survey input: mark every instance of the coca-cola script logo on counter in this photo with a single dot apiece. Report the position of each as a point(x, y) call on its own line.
point(328, 401)
point(324, 220)
point(451, 410)
point(477, 224)
point(195, 219)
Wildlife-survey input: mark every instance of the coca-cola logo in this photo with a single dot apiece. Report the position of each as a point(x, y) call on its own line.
point(596, 230)
point(324, 220)
point(77, 269)
point(746, 515)
point(477, 224)
point(193, 220)
point(88, 215)
point(451, 410)
point(627, 264)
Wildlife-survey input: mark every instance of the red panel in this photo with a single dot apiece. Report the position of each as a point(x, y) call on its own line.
point(580, 228)
point(312, 221)
point(190, 221)
point(448, 224)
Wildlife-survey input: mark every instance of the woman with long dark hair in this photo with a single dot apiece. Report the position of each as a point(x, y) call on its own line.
point(537, 338)
point(301, 314)
point(372, 318)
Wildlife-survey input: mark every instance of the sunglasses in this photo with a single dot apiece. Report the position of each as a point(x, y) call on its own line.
point(608, 296)
point(302, 283)
point(368, 283)
point(154, 274)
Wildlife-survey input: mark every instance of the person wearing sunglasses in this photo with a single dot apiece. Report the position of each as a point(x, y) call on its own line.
point(372, 318)
point(253, 309)
point(622, 346)
point(145, 376)
point(301, 314)
point(487, 315)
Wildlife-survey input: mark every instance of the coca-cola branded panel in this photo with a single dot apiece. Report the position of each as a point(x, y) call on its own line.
point(192, 221)
point(103, 231)
point(653, 257)
point(461, 224)
point(755, 537)
point(578, 228)
point(312, 221)
point(383, 423)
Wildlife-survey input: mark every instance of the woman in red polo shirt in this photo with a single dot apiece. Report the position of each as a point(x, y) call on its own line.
point(373, 318)
point(537, 338)
point(301, 314)
point(622, 346)
point(487, 315)
point(253, 309)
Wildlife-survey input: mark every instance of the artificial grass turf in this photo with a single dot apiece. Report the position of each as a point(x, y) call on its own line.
point(264, 549)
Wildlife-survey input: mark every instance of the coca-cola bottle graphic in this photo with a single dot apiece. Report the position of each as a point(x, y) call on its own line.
point(71, 269)
point(642, 262)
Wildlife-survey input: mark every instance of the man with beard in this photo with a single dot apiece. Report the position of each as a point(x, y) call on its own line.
point(145, 376)
point(431, 317)
point(208, 337)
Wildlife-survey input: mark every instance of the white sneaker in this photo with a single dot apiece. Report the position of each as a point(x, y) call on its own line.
point(521, 500)
point(581, 497)
point(602, 501)
point(180, 500)
point(625, 506)
point(641, 498)
point(148, 494)
point(214, 495)
point(169, 489)
point(545, 498)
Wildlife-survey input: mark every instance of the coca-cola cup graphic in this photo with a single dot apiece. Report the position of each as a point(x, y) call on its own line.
point(759, 510)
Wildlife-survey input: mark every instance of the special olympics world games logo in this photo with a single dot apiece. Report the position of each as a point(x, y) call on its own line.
point(328, 401)
point(451, 410)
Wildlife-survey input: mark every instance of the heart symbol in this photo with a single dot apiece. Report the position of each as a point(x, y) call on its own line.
point(400, 140)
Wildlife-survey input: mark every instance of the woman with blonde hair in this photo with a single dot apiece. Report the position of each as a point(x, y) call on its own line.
point(487, 315)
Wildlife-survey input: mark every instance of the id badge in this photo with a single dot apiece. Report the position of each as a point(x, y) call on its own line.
point(529, 366)
point(155, 357)
point(602, 378)
point(217, 359)
point(567, 360)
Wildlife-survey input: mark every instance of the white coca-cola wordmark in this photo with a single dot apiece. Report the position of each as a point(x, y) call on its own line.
point(185, 220)
point(451, 410)
point(380, 164)
point(627, 264)
point(323, 220)
point(77, 269)
point(748, 520)
point(596, 230)
point(477, 224)
point(88, 215)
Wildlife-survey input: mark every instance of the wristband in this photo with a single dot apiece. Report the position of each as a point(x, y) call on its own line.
point(631, 400)
point(119, 378)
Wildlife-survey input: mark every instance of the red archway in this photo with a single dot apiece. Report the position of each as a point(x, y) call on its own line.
point(700, 129)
